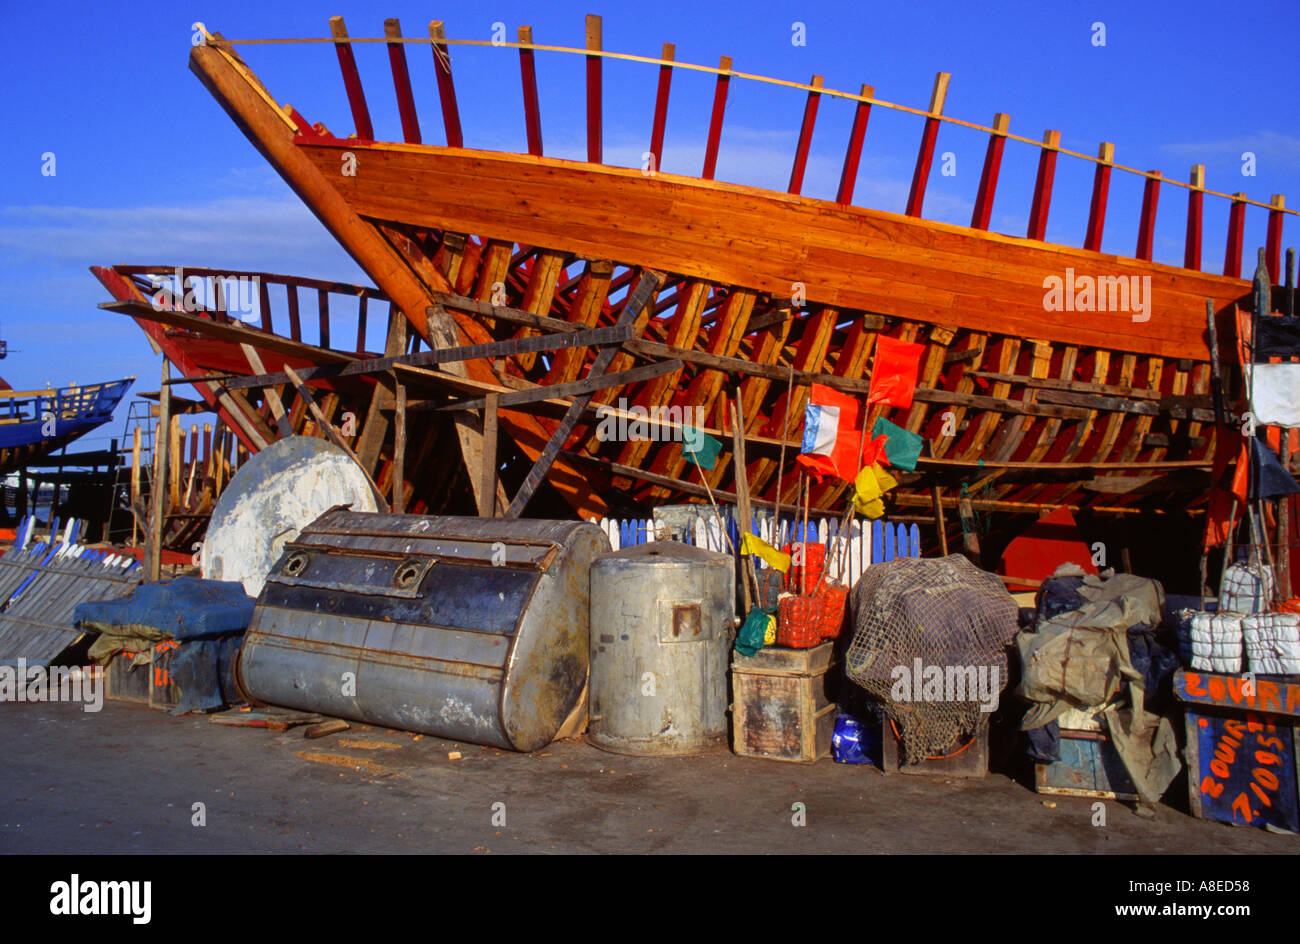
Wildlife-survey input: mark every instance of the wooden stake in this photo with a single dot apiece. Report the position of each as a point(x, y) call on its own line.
point(938, 517)
point(135, 484)
point(488, 471)
point(161, 443)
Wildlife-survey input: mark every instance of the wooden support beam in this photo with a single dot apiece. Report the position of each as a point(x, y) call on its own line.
point(661, 107)
point(1147, 222)
point(805, 137)
point(402, 81)
point(853, 153)
point(399, 450)
point(715, 119)
point(1236, 236)
point(573, 388)
point(375, 429)
point(161, 450)
point(988, 188)
point(940, 524)
point(528, 78)
point(1042, 201)
point(1195, 218)
point(446, 355)
point(351, 80)
point(446, 87)
point(323, 304)
point(272, 397)
point(329, 432)
point(1100, 193)
point(643, 294)
point(1273, 249)
point(925, 156)
point(595, 147)
point(488, 471)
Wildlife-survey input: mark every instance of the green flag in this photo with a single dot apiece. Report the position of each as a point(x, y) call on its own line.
point(700, 447)
point(902, 448)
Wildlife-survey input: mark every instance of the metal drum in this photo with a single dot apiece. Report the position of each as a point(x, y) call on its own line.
point(473, 629)
point(662, 622)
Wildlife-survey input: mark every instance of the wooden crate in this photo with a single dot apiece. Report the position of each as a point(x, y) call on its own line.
point(784, 705)
point(1089, 767)
point(970, 763)
point(1243, 748)
point(123, 683)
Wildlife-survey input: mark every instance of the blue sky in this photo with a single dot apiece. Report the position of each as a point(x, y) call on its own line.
point(150, 170)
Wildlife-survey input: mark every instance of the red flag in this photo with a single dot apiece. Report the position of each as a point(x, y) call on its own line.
point(893, 375)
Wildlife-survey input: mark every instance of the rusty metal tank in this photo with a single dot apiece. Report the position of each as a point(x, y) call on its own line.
point(472, 629)
point(662, 624)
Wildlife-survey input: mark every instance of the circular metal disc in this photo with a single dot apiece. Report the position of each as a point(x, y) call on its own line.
point(273, 496)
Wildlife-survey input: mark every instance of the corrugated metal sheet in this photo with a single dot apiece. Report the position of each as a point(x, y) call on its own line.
point(40, 585)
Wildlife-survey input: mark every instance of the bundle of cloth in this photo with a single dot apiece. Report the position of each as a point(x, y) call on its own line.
point(1097, 648)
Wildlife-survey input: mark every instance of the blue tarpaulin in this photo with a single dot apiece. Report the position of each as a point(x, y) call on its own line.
point(184, 608)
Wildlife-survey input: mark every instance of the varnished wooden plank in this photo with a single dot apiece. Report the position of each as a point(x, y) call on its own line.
point(940, 264)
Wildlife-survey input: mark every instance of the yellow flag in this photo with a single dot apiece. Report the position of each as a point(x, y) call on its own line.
point(753, 544)
point(870, 487)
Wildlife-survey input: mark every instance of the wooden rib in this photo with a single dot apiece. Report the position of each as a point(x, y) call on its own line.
point(329, 432)
point(1100, 193)
point(661, 107)
point(682, 331)
point(402, 81)
point(351, 80)
point(1042, 200)
point(704, 390)
point(1273, 246)
point(547, 268)
point(1236, 234)
point(853, 153)
point(988, 186)
point(594, 93)
point(528, 80)
point(715, 119)
point(925, 156)
point(805, 137)
point(264, 304)
point(1195, 218)
point(295, 321)
point(446, 87)
point(590, 295)
point(1147, 221)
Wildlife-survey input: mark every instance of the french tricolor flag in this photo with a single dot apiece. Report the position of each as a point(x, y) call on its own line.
point(831, 439)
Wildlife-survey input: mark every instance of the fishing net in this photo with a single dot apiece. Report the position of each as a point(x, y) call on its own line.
point(930, 639)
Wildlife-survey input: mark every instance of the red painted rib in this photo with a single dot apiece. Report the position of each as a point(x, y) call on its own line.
point(402, 83)
point(715, 122)
point(852, 157)
point(805, 137)
point(983, 211)
point(1147, 222)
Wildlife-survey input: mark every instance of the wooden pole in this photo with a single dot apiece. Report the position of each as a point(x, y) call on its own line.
point(135, 485)
point(488, 471)
point(399, 450)
point(1284, 524)
point(748, 572)
point(161, 443)
point(938, 518)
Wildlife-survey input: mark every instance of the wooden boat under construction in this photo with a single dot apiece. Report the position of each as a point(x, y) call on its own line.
point(530, 291)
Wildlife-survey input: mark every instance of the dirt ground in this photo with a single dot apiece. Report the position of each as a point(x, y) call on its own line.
point(127, 780)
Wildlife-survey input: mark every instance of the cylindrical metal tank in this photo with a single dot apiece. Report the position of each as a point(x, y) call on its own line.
point(473, 629)
point(662, 623)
